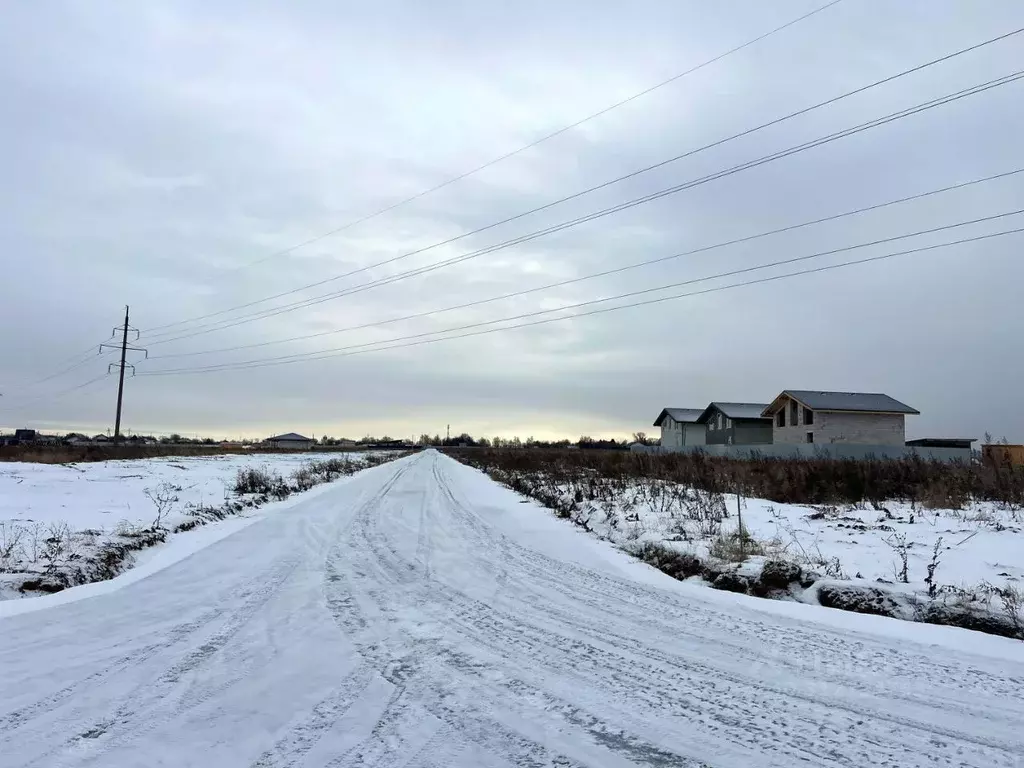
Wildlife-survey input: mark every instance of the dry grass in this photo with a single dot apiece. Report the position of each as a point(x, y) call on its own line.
point(791, 481)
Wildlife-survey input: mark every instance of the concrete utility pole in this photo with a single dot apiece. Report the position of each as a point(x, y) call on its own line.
point(121, 367)
point(120, 379)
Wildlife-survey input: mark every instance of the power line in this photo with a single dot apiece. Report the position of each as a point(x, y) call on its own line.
point(949, 98)
point(83, 358)
point(416, 339)
point(576, 195)
point(54, 395)
point(605, 273)
point(541, 140)
point(606, 309)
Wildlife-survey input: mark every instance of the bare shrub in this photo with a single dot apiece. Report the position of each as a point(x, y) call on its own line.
point(898, 542)
point(58, 547)
point(164, 497)
point(736, 547)
point(260, 480)
point(796, 481)
point(1013, 605)
point(34, 536)
point(581, 516)
point(706, 510)
point(932, 567)
point(11, 551)
point(304, 478)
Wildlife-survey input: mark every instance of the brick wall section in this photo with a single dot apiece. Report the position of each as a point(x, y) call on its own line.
point(791, 433)
point(867, 428)
point(844, 427)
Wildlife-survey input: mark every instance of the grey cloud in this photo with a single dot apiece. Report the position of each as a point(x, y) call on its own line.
point(160, 147)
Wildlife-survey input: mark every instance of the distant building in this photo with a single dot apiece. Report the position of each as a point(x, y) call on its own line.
point(292, 441)
point(679, 427)
point(736, 424)
point(28, 437)
point(806, 416)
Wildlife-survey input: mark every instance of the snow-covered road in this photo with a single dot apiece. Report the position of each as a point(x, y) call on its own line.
point(419, 615)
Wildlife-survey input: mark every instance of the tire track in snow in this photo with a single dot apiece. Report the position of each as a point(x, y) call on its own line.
point(420, 680)
point(629, 599)
point(161, 697)
point(305, 731)
point(546, 641)
point(413, 665)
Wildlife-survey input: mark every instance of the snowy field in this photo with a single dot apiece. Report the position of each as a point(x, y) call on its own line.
point(54, 515)
point(970, 558)
point(983, 543)
point(417, 614)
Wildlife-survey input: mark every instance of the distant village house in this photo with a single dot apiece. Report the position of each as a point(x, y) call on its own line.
point(291, 440)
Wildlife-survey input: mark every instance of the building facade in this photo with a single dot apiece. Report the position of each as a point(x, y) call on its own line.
point(736, 424)
point(805, 416)
point(679, 427)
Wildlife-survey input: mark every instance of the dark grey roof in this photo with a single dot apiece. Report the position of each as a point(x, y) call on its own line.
point(290, 436)
point(689, 415)
point(846, 401)
point(942, 442)
point(734, 411)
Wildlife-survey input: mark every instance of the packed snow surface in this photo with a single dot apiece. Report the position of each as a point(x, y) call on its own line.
point(417, 614)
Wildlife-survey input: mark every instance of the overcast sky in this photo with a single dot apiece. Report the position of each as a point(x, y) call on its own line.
point(154, 152)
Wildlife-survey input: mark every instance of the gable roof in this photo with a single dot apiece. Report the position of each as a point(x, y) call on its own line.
point(291, 436)
point(687, 415)
point(871, 402)
point(734, 411)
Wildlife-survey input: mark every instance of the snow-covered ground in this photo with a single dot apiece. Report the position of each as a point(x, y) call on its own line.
point(417, 614)
point(982, 543)
point(101, 494)
point(977, 552)
point(54, 517)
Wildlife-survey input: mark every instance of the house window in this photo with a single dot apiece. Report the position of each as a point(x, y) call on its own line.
point(810, 437)
point(793, 412)
point(808, 416)
point(728, 423)
point(781, 420)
